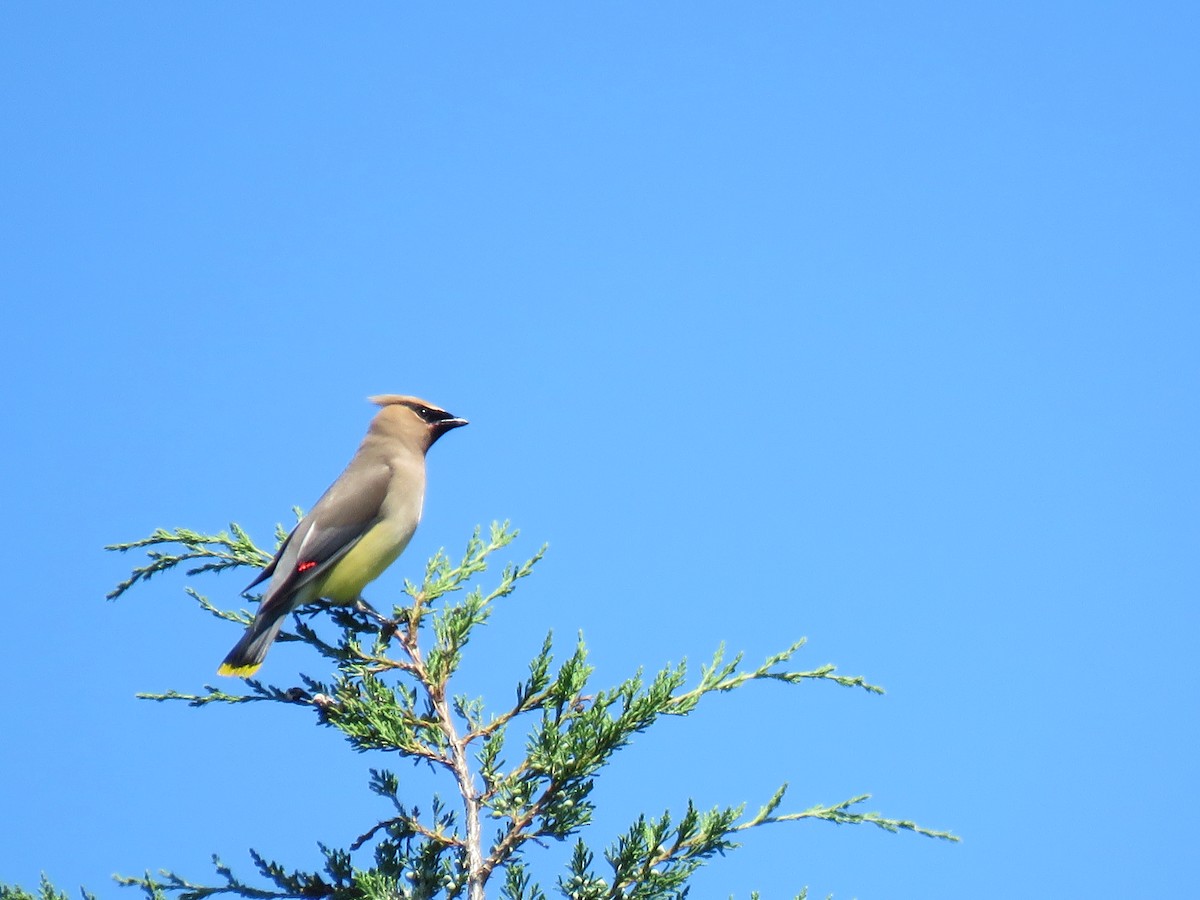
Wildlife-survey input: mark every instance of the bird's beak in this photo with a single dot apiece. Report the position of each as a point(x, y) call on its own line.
point(441, 426)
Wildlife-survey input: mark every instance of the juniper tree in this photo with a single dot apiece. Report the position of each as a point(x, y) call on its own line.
point(391, 690)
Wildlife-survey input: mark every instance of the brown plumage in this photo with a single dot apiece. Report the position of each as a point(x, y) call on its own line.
point(356, 530)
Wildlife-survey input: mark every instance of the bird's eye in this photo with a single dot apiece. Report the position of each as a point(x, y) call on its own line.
point(429, 415)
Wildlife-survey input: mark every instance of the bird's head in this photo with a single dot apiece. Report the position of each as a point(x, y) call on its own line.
point(413, 418)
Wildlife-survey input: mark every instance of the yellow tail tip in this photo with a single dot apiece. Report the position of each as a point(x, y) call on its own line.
point(238, 671)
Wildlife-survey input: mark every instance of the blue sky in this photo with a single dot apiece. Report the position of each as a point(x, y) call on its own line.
point(875, 323)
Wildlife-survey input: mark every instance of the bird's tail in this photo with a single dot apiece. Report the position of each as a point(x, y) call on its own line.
point(248, 654)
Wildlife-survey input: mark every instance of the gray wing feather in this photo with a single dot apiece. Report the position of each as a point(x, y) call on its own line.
point(348, 510)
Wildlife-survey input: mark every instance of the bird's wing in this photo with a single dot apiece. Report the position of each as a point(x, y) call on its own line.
point(269, 569)
point(348, 510)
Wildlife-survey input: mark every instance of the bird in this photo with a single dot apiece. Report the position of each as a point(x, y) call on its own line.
point(358, 527)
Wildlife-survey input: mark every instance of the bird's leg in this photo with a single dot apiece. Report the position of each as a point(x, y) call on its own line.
point(369, 611)
point(387, 627)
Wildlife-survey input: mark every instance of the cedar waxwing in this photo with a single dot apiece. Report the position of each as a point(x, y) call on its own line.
point(356, 530)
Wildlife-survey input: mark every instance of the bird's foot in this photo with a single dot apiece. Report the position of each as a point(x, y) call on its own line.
point(370, 612)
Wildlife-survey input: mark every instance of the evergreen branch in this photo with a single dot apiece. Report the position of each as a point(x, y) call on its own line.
point(349, 654)
point(518, 885)
point(376, 716)
point(241, 617)
point(721, 676)
point(168, 881)
point(531, 693)
point(404, 826)
point(294, 884)
point(219, 551)
point(456, 761)
point(392, 693)
point(840, 814)
point(261, 692)
point(46, 891)
point(655, 858)
point(517, 832)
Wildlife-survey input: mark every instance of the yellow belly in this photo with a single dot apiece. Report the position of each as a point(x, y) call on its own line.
point(364, 563)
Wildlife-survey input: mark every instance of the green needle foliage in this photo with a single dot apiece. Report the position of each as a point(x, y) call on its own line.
point(46, 891)
point(390, 691)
